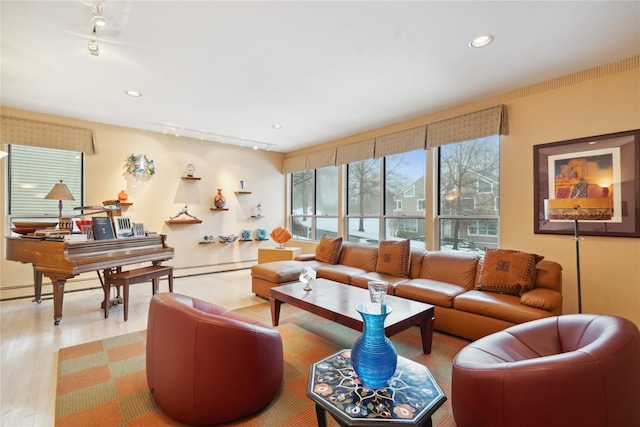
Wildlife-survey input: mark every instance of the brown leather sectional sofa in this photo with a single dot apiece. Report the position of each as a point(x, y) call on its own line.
point(449, 280)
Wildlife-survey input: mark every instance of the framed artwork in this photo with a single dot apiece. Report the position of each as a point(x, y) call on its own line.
point(594, 167)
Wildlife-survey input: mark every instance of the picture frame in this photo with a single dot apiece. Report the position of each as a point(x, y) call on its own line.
point(598, 166)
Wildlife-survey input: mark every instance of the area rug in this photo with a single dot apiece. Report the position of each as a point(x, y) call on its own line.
point(103, 383)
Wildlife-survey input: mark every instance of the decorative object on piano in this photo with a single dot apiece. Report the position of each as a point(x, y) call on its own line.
point(88, 230)
point(138, 229)
point(184, 211)
point(140, 166)
point(60, 192)
point(66, 224)
point(228, 239)
point(123, 196)
point(81, 222)
point(280, 235)
point(245, 235)
point(28, 227)
point(123, 226)
point(190, 172)
point(261, 234)
point(102, 228)
point(218, 200)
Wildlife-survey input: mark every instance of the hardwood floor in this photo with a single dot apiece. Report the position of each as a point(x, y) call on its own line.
point(30, 341)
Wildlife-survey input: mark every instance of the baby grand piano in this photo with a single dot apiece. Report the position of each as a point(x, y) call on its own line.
point(62, 260)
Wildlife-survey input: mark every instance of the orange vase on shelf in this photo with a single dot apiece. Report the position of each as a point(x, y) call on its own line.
point(123, 196)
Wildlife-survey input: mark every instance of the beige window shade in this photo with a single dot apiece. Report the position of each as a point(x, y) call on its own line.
point(46, 135)
point(355, 152)
point(321, 159)
point(401, 142)
point(491, 121)
point(294, 164)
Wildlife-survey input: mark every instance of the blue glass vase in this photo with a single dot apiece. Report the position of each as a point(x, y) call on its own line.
point(373, 356)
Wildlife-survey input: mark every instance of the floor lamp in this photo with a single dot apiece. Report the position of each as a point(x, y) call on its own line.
point(578, 209)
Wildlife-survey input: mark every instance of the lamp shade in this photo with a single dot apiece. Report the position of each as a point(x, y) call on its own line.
point(60, 191)
point(572, 209)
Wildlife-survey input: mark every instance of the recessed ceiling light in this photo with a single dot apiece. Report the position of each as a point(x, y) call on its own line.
point(277, 126)
point(134, 93)
point(481, 41)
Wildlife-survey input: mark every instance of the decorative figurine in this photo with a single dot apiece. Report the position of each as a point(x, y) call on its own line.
point(245, 235)
point(258, 209)
point(261, 234)
point(280, 235)
point(219, 200)
point(307, 276)
point(190, 171)
point(184, 211)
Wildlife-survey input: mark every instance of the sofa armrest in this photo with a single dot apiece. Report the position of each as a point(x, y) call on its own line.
point(545, 299)
point(305, 257)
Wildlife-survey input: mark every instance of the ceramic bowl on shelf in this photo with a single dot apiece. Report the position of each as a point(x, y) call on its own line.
point(23, 230)
point(228, 239)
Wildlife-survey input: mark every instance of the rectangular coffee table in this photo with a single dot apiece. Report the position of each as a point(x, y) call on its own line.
point(337, 302)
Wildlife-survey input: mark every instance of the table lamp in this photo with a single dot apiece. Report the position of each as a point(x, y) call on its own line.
point(575, 209)
point(60, 192)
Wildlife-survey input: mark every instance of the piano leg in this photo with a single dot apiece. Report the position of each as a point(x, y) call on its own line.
point(37, 285)
point(58, 296)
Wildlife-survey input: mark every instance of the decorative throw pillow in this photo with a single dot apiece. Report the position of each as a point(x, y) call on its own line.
point(328, 249)
point(393, 258)
point(508, 271)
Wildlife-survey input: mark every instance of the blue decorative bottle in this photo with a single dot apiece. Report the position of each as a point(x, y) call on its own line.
point(373, 356)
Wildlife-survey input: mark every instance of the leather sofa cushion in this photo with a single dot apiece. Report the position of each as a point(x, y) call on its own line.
point(360, 256)
point(339, 273)
point(500, 306)
point(429, 291)
point(362, 281)
point(458, 268)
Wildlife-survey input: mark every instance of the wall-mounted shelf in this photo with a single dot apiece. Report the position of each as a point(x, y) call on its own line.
point(257, 216)
point(219, 209)
point(191, 178)
point(183, 221)
point(242, 192)
point(125, 204)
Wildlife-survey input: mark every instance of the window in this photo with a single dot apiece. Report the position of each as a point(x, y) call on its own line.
point(422, 206)
point(33, 171)
point(314, 203)
point(382, 199)
point(469, 177)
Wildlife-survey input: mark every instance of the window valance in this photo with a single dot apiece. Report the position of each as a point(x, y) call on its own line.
point(355, 152)
point(294, 164)
point(401, 142)
point(321, 159)
point(490, 121)
point(47, 135)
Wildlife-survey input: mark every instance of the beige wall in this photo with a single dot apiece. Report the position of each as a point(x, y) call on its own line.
point(165, 193)
point(594, 104)
point(610, 267)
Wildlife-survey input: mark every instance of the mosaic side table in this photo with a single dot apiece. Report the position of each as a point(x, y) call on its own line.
point(410, 398)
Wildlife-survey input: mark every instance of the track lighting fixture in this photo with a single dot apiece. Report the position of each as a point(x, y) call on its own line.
point(214, 137)
point(94, 49)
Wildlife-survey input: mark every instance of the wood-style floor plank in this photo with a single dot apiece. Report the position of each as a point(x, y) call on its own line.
point(30, 341)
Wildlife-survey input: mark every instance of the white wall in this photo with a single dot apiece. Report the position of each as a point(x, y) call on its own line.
point(165, 193)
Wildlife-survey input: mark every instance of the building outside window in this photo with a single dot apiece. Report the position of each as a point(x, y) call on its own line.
point(469, 191)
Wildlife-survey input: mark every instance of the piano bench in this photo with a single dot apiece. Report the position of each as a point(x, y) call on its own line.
point(131, 277)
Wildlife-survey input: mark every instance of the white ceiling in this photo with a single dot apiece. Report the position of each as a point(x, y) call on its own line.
point(323, 70)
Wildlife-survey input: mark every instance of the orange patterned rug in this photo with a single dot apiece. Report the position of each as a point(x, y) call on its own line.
point(103, 383)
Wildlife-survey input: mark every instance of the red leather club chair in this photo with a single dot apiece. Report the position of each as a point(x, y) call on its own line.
point(574, 370)
point(209, 365)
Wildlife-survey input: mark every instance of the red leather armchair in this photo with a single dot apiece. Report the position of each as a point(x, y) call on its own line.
point(572, 370)
point(209, 365)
